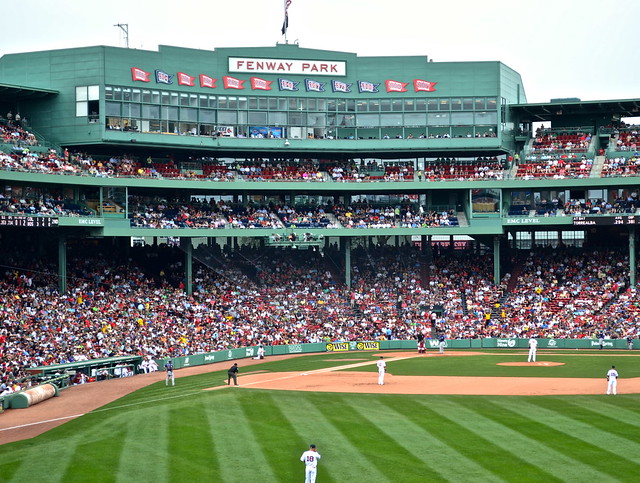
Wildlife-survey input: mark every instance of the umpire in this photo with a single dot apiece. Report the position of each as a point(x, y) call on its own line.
point(232, 373)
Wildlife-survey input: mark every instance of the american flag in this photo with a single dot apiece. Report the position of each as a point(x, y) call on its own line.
point(285, 24)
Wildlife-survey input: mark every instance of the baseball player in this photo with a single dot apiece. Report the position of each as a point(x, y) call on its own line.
point(382, 368)
point(169, 368)
point(421, 348)
point(441, 343)
point(612, 377)
point(629, 342)
point(232, 373)
point(601, 340)
point(533, 348)
point(310, 459)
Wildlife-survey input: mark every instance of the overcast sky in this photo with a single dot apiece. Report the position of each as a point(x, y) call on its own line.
point(562, 48)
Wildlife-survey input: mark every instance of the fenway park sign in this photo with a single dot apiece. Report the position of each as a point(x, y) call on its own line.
point(287, 66)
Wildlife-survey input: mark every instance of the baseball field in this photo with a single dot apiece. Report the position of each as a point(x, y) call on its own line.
point(437, 418)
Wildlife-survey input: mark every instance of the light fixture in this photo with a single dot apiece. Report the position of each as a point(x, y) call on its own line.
point(286, 142)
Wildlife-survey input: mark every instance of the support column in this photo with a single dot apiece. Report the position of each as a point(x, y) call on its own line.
point(62, 265)
point(347, 262)
point(496, 260)
point(187, 247)
point(632, 255)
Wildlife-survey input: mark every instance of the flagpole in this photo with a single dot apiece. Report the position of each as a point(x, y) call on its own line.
point(285, 22)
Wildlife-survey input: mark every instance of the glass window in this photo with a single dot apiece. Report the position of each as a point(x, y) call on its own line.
point(136, 95)
point(351, 105)
point(374, 105)
point(232, 102)
point(409, 105)
point(293, 103)
point(390, 120)
point(203, 101)
point(297, 118)
point(341, 105)
point(331, 105)
point(492, 103)
point(117, 94)
point(273, 104)
point(467, 104)
point(193, 100)
point(222, 102)
point(321, 104)
point(432, 104)
point(170, 113)
point(94, 93)
point(81, 93)
point(444, 104)
point(396, 106)
point(253, 103)
point(385, 106)
point(184, 100)
point(367, 120)
point(155, 97)
point(82, 108)
point(277, 118)
point(112, 108)
point(213, 101)
point(487, 118)
point(282, 104)
point(108, 92)
point(262, 103)
point(146, 95)
point(208, 116)
point(415, 119)
point(438, 119)
point(165, 98)
point(485, 200)
point(456, 104)
point(480, 104)
point(311, 104)
point(242, 102)
point(421, 105)
point(131, 110)
point(151, 112)
point(227, 117)
point(188, 114)
point(258, 118)
point(462, 118)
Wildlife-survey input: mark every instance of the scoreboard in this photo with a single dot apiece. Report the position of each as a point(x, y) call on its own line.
point(28, 221)
point(606, 220)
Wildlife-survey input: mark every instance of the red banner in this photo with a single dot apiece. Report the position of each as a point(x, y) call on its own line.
point(186, 79)
point(139, 74)
point(232, 83)
point(396, 86)
point(423, 85)
point(260, 84)
point(206, 81)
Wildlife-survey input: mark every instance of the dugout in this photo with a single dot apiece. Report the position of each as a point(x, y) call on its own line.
point(99, 369)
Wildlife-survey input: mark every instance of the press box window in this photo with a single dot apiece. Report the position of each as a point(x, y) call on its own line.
point(88, 102)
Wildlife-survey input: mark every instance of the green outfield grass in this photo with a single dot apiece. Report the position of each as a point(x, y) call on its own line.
point(185, 434)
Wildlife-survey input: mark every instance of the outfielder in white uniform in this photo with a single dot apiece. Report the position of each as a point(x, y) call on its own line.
point(170, 377)
point(310, 459)
point(382, 368)
point(533, 348)
point(612, 377)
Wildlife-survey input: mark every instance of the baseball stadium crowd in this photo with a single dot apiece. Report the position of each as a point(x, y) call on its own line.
point(132, 300)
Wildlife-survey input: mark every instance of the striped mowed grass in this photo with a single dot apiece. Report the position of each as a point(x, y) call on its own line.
point(185, 434)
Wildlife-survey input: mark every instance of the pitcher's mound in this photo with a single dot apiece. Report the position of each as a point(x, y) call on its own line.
point(539, 363)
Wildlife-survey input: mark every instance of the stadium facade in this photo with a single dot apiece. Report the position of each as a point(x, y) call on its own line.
point(187, 110)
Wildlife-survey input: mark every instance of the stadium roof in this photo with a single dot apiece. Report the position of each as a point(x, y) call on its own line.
point(549, 111)
point(14, 92)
